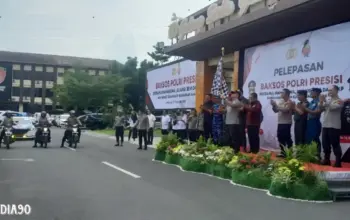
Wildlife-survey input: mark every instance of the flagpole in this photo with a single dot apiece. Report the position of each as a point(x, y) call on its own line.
point(222, 72)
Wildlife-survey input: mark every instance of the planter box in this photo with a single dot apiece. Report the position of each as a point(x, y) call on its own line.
point(317, 192)
point(191, 165)
point(253, 178)
point(172, 159)
point(222, 171)
point(160, 156)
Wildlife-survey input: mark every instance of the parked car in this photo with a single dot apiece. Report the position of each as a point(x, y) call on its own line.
point(93, 121)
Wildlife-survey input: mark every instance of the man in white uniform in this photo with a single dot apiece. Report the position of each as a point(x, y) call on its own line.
point(165, 123)
point(152, 120)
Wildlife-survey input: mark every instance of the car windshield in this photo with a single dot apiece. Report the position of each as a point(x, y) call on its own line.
point(23, 121)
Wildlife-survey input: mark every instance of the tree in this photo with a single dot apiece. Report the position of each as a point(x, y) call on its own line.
point(158, 55)
point(82, 91)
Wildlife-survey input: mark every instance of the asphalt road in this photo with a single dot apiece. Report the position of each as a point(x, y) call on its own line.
point(101, 182)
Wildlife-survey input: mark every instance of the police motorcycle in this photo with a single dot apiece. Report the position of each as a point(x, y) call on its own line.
point(73, 138)
point(8, 136)
point(43, 138)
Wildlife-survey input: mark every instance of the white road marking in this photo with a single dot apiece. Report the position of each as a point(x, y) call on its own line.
point(70, 148)
point(121, 170)
point(18, 159)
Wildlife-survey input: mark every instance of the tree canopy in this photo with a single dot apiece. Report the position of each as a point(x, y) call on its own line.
point(158, 54)
point(83, 91)
point(125, 85)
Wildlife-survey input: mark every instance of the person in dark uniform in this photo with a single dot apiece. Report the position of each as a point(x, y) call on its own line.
point(300, 118)
point(242, 119)
point(71, 121)
point(6, 123)
point(208, 116)
point(42, 122)
point(313, 124)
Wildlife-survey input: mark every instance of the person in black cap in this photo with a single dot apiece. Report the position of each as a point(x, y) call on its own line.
point(313, 125)
point(284, 108)
point(300, 118)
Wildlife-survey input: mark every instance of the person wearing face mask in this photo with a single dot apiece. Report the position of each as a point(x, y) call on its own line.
point(284, 108)
point(331, 125)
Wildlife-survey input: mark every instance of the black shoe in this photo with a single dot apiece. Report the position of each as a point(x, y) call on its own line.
point(61, 146)
point(145, 148)
point(35, 146)
point(139, 148)
point(121, 145)
point(116, 145)
point(337, 164)
point(326, 163)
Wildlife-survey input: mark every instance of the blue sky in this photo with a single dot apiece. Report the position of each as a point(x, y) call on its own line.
point(120, 28)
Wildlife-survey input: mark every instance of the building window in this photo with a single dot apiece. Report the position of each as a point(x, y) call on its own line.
point(60, 70)
point(92, 72)
point(16, 66)
point(49, 93)
point(39, 69)
point(101, 73)
point(49, 69)
point(15, 91)
point(71, 70)
point(27, 68)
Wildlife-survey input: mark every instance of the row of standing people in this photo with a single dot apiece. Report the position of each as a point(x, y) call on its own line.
point(237, 114)
point(140, 125)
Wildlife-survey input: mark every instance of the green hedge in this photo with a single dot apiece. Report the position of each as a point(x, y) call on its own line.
point(160, 155)
point(254, 178)
point(189, 164)
point(172, 159)
point(298, 190)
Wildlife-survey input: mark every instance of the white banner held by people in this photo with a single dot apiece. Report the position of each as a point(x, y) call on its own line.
point(315, 59)
point(173, 86)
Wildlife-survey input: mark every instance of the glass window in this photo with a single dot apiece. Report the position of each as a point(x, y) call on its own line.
point(39, 68)
point(16, 66)
point(49, 69)
point(27, 68)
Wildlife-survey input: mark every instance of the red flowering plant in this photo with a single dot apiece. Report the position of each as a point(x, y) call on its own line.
point(243, 162)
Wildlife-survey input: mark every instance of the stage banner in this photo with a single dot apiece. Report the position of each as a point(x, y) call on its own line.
point(172, 86)
point(319, 59)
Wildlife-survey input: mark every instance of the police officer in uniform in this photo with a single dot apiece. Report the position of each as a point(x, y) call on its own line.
point(300, 118)
point(71, 121)
point(42, 122)
point(6, 123)
point(313, 125)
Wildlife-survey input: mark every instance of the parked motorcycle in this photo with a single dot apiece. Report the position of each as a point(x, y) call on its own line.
point(74, 137)
point(8, 138)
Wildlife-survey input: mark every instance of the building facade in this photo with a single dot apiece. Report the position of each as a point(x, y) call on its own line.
point(240, 24)
point(27, 80)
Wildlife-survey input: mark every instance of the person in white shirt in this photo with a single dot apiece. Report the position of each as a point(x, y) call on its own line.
point(165, 121)
point(132, 129)
point(181, 125)
point(152, 120)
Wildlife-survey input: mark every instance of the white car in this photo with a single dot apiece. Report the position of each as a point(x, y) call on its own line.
point(63, 119)
point(24, 128)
